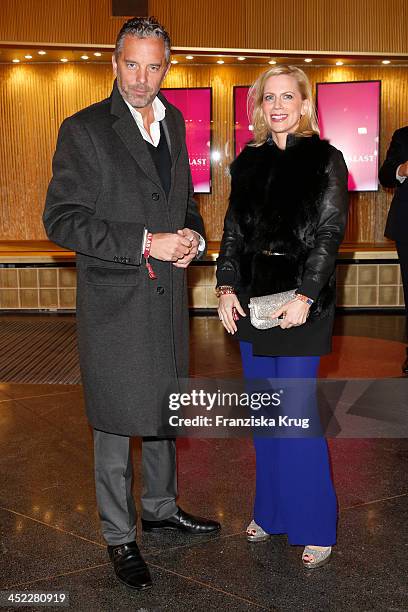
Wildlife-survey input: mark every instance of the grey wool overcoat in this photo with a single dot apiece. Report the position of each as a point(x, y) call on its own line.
point(132, 330)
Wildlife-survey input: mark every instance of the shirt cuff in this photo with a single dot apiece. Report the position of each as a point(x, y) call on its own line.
point(144, 243)
point(201, 243)
point(399, 178)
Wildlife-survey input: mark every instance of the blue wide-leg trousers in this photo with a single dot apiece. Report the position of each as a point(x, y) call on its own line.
point(294, 488)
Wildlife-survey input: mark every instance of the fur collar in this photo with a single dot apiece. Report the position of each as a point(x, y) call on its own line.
point(277, 192)
point(275, 200)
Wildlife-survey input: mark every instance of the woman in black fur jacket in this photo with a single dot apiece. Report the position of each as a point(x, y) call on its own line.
point(286, 219)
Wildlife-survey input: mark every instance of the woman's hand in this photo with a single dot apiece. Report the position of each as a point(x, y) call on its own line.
point(227, 305)
point(294, 313)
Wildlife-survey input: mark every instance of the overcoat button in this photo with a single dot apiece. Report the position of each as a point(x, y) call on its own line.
point(160, 290)
point(155, 196)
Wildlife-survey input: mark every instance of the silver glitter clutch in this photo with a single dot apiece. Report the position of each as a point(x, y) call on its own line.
point(262, 307)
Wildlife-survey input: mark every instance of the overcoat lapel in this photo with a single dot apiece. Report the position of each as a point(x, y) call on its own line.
point(173, 138)
point(128, 132)
point(170, 129)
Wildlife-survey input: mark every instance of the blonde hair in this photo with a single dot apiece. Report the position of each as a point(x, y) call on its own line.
point(308, 123)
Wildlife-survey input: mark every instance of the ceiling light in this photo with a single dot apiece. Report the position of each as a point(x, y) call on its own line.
point(97, 54)
point(272, 62)
point(241, 58)
point(308, 60)
point(189, 57)
point(84, 57)
point(386, 62)
point(339, 63)
point(174, 61)
point(28, 56)
point(220, 61)
point(42, 53)
point(63, 59)
point(16, 61)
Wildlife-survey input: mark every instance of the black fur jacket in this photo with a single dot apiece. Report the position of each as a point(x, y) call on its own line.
point(286, 219)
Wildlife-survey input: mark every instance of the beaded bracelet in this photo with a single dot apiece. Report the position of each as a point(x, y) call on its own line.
point(224, 290)
point(304, 298)
point(146, 255)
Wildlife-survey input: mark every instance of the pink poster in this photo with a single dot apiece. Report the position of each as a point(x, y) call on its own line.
point(242, 131)
point(349, 117)
point(195, 104)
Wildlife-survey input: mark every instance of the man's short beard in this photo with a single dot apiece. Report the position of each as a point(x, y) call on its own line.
point(150, 96)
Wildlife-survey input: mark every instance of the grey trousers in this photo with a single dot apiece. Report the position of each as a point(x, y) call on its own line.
point(113, 483)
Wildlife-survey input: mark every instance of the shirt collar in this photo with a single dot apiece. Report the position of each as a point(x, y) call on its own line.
point(159, 110)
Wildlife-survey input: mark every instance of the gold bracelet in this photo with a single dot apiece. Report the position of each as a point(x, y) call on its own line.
point(224, 290)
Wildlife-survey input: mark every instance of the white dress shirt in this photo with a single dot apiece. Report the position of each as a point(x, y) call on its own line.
point(400, 178)
point(159, 112)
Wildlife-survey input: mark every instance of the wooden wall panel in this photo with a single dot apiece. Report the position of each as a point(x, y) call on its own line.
point(35, 99)
point(58, 21)
point(45, 20)
point(209, 23)
point(103, 27)
point(33, 102)
point(316, 25)
point(319, 25)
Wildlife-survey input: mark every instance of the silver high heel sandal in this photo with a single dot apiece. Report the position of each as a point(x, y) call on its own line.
point(317, 558)
point(255, 533)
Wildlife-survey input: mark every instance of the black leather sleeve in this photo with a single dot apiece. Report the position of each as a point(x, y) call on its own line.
point(231, 243)
point(395, 157)
point(321, 260)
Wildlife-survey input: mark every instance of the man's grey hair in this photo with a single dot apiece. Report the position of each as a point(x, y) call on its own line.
point(143, 27)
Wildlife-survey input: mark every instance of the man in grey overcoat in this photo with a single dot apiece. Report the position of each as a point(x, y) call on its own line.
point(121, 196)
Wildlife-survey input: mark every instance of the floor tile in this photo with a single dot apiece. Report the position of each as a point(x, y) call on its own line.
point(50, 527)
point(31, 551)
point(98, 590)
point(368, 570)
point(20, 391)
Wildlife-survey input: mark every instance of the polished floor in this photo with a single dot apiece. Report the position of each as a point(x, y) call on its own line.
point(50, 539)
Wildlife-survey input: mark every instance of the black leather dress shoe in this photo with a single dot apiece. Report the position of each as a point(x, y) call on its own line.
point(129, 566)
point(405, 365)
point(183, 521)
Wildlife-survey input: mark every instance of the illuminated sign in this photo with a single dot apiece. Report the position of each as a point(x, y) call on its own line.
point(195, 105)
point(349, 117)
